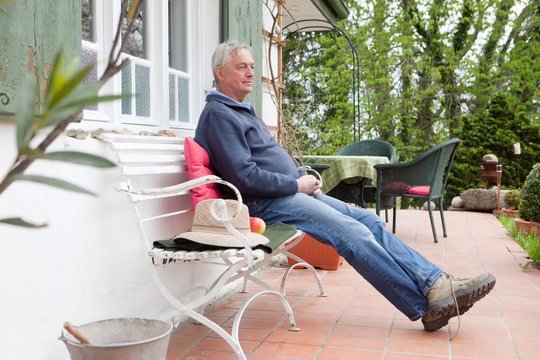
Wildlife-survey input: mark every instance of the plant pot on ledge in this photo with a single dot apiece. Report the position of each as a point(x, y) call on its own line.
point(511, 213)
point(526, 227)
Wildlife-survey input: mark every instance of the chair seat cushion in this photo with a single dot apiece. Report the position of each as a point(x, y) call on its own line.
point(419, 190)
point(397, 187)
point(198, 164)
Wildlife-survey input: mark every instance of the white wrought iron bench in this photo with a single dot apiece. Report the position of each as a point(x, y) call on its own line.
point(149, 160)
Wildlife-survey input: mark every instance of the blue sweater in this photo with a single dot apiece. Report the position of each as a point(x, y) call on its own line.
point(243, 151)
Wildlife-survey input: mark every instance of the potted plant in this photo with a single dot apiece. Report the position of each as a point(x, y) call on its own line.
point(511, 199)
point(529, 208)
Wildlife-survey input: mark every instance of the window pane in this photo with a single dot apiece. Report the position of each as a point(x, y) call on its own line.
point(126, 89)
point(183, 100)
point(142, 89)
point(90, 57)
point(88, 23)
point(136, 45)
point(178, 35)
point(172, 98)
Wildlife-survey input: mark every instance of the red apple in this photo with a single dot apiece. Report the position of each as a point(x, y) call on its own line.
point(257, 225)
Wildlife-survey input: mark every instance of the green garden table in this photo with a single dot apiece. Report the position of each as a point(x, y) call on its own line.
point(347, 168)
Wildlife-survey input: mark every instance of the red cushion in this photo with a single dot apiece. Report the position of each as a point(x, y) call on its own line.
point(397, 187)
point(419, 190)
point(198, 164)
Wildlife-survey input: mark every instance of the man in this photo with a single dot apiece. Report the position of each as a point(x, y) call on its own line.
point(244, 152)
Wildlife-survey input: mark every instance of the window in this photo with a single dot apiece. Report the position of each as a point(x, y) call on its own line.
point(169, 49)
point(136, 76)
point(178, 70)
point(89, 49)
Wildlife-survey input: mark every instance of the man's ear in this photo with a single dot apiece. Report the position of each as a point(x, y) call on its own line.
point(219, 72)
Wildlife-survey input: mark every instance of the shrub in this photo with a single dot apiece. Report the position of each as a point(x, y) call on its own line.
point(529, 208)
point(494, 131)
point(512, 199)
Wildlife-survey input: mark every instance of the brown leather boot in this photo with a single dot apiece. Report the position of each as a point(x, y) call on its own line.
point(441, 303)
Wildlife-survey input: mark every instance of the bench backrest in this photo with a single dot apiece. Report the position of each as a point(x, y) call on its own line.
point(154, 162)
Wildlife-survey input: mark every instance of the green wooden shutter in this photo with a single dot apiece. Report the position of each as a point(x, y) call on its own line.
point(242, 21)
point(31, 35)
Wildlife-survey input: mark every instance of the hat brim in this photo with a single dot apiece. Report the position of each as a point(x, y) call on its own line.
point(221, 239)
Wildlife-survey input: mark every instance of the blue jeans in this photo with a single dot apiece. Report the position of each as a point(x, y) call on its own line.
point(397, 271)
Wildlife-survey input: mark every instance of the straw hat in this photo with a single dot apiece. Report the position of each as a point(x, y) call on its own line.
point(207, 230)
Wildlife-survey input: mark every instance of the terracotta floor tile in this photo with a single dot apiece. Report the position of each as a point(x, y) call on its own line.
point(527, 355)
point(366, 321)
point(483, 352)
point(265, 357)
point(193, 330)
point(329, 353)
point(209, 355)
point(311, 326)
point(419, 335)
point(419, 347)
point(288, 350)
point(218, 344)
point(402, 356)
point(355, 342)
point(294, 337)
point(361, 331)
point(175, 354)
point(528, 344)
point(254, 323)
point(356, 322)
point(246, 334)
point(182, 342)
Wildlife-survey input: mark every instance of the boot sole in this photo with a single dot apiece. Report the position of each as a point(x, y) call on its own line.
point(445, 309)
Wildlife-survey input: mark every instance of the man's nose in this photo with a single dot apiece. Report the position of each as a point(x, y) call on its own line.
point(250, 72)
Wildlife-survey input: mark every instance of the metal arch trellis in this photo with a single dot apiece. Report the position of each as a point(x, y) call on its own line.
point(355, 83)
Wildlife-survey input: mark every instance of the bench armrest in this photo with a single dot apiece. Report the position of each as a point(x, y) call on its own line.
point(183, 188)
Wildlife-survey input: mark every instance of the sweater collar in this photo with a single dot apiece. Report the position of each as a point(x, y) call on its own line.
point(222, 98)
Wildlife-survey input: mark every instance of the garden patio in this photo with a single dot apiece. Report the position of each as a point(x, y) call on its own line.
point(356, 322)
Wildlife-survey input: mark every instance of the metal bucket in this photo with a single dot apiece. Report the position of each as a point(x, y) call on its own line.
point(121, 339)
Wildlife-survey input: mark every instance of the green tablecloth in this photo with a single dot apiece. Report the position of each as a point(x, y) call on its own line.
point(346, 167)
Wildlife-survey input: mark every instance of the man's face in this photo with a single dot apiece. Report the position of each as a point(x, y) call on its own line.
point(236, 78)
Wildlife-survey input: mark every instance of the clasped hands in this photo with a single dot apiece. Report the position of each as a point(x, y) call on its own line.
point(308, 184)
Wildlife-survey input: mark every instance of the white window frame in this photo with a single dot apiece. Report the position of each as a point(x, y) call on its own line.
point(110, 114)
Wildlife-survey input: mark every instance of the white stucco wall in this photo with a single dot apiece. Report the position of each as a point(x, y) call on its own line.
point(89, 263)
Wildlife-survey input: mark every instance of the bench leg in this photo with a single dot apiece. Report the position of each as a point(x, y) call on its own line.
point(233, 341)
point(301, 262)
point(286, 305)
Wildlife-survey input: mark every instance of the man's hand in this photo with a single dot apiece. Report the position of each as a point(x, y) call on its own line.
point(308, 184)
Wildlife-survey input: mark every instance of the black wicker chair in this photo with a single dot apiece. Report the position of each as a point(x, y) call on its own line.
point(363, 191)
point(424, 177)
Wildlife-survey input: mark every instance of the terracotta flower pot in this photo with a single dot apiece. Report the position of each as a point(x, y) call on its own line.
point(510, 212)
point(526, 227)
point(316, 254)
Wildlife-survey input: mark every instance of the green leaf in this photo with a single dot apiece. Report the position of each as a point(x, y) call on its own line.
point(57, 66)
point(51, 182)
point(66, 109)
point(79, 158)
point(21, 222)
point(25, 111)
point(77, 103)
point(132, 8)
point(55, 95)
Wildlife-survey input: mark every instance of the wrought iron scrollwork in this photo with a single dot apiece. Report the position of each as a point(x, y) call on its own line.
point(4, 98)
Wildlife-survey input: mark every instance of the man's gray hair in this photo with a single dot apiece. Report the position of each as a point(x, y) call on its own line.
point(222, 54)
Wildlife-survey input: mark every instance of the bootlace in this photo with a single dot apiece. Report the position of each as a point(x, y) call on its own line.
point(451, 277)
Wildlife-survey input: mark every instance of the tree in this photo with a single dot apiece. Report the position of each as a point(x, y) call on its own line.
point(423, 67)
